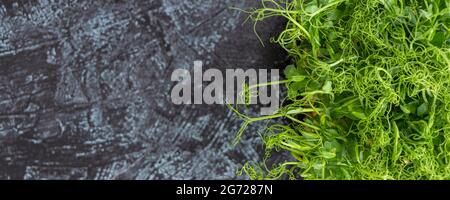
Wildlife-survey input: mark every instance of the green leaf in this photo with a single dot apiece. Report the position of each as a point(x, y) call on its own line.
point(411, 107)
point(291, 71)
point(311, 9)
point(295, 88)
point(297, 78)
point(337, 14)
point(313, 86)
point(425, 14)
point(328, 155)
point(327, 87)
point(405, 109)
point(422, 109)
point(359, 115)
point(439, 39)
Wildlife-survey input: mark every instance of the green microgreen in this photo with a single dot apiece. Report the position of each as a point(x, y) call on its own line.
point(368, 91)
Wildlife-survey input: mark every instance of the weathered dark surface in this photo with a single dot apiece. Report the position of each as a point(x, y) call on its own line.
point(85, 88)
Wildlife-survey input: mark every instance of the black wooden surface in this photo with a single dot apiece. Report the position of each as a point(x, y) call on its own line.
point(85, 88)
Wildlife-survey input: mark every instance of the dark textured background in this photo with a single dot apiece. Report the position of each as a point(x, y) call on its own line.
point(85, 88)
